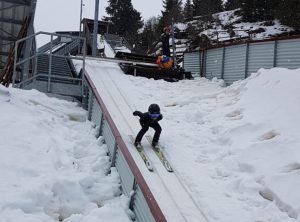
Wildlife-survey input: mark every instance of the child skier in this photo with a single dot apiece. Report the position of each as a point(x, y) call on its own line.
point(149, 119)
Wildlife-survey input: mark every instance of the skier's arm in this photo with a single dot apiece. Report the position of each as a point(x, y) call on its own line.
point(160, 117)
point(137, 113)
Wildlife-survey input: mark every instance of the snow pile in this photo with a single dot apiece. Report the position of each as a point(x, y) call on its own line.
point(4, 94)
point(52, 167)
point(236, 149)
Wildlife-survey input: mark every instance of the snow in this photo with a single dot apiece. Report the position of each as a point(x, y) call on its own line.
point(180, 26)
point(241, 29)
point(235, 145)
point(102, 44)
point(52, 167)
point(235, 149)
point(108, 50)
point(166, 188)
point(122, 49)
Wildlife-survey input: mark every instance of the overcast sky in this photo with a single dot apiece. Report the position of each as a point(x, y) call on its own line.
point(64, 15)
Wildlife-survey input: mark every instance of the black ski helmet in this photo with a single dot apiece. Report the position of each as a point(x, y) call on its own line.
point(154, 108)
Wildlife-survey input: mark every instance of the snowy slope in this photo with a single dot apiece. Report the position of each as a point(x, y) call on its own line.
point(175, 202)
point(235, 150)
point(52, 168)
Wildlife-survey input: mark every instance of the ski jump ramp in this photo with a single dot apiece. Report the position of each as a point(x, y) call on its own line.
point(167, 198)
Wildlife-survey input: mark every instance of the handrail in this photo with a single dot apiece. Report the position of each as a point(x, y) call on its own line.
point(46, 47)
point(121, 61)
point(49, 33)
point(74, 44)
point(51, 55)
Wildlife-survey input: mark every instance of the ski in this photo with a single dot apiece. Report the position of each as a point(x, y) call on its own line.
point(160, 155)
point(173, 44)
point(142, 154)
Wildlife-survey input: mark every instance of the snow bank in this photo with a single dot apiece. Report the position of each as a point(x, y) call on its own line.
point(236, 148)
point(51, 165)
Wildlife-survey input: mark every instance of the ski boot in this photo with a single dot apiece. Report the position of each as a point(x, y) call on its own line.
point(155, 145)
point(138, 145)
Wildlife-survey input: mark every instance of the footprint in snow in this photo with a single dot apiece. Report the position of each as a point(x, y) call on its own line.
point(268, 135)
point(235, 115)
point(291, 167)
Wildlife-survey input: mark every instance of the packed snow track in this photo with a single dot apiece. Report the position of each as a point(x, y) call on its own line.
point(175, 201)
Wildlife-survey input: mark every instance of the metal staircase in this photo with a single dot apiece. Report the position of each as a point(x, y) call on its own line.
point(59, 67)
point(46, 48)
point(69, 48)
point(53, 70)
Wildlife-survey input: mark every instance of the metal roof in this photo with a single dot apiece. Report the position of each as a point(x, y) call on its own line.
point(12, 16)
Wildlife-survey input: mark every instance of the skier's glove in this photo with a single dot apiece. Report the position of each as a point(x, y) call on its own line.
point(135, 113)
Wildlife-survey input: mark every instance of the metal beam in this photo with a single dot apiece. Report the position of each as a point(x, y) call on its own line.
point(18, 2)
point(95, 32)
point(6, 38)
point(8, 34)
point(121, 61)
point(13, 21)
point(2, 63)
point(4, 53)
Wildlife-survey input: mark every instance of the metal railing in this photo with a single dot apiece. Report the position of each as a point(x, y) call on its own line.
point(47, 46)
point(22, 77)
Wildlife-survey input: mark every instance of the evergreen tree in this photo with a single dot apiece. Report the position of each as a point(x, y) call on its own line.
point(148, 35)
point(258, 10)
point(216, 6)
point(249, 12)
point(172, 10)
point(126, 21)
point(207, 7)
point(266, 9)
point(232, 4)
point(288, 12)
point(188, 10)
point(200, 8)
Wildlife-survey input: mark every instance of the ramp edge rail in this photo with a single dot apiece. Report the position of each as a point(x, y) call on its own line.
point(151, 202)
